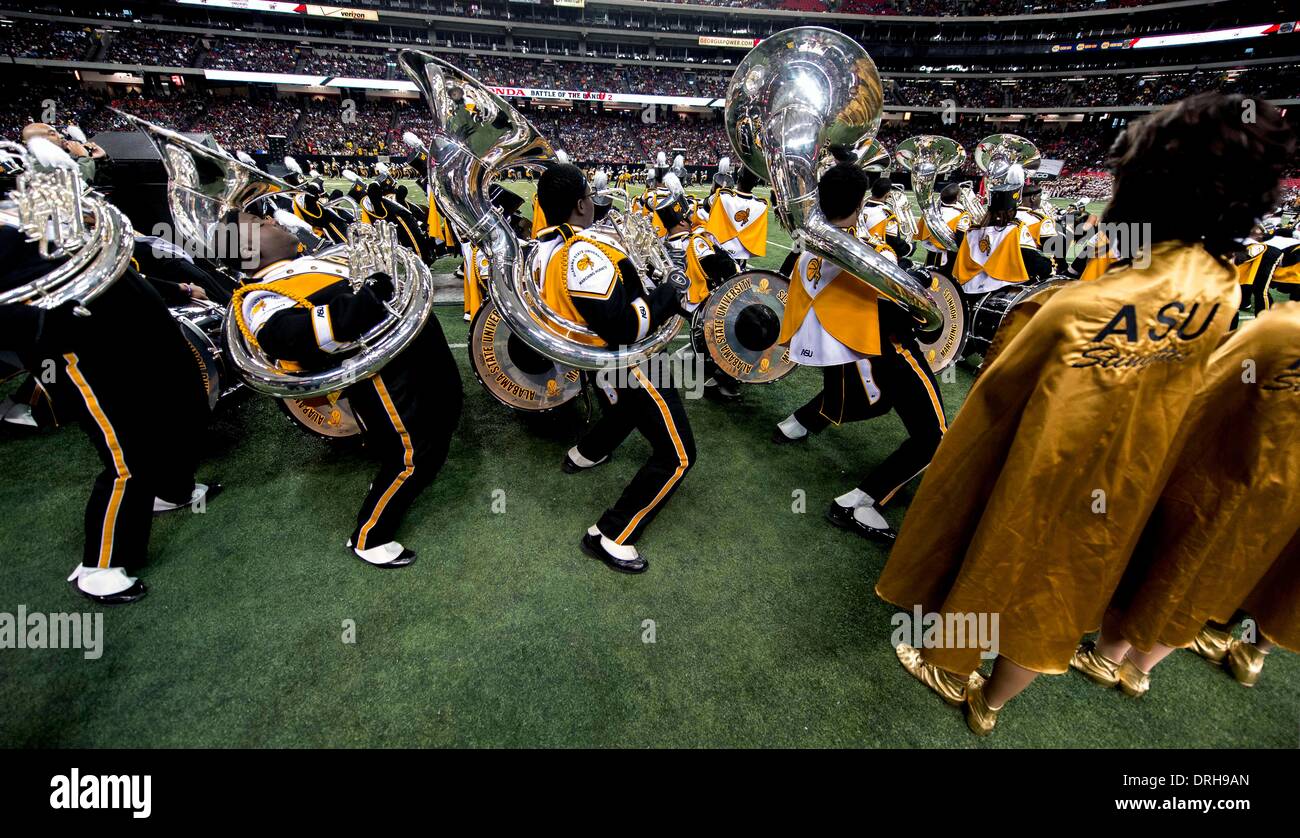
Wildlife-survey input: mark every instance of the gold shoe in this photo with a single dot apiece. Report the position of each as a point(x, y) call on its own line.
point(1211, 644)
point(1133, 681)
point(980, 717)
point(1095, 665)
point(1245, 662)
point(951, 688)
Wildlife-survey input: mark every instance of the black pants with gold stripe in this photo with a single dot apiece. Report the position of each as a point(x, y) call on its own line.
point(131, 381)
point(659, 415)
point(898, 379)
point(408, 412)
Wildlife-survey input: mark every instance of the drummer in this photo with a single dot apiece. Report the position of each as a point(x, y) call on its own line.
point(870, 359)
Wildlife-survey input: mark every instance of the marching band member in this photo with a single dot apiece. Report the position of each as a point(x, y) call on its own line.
point(1065, 441)
point(1266, 259)
point(706, 265)
point(376, 206)
point(877, 218)
point(1030, 213)
point(144, 427)
point(301, 313)
point(1222, 522)
point(957, 220)
point(1000, 251)
point(870, 362)
point(738, 219)
point(539, 215)
point(588, 282)
point(476, 262)
point(308, 206)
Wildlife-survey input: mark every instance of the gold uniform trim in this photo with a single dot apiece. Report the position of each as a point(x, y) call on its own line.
point(123, 474)
point(408, 460)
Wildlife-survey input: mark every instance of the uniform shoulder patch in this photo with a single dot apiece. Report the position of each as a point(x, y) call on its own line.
point(700, 245)
point(590, 271)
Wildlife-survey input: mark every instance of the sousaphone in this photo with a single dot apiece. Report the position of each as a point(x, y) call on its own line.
point(799, 101)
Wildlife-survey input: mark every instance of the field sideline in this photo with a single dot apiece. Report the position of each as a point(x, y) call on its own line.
point(766, 628)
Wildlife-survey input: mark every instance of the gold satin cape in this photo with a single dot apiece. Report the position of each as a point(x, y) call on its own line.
point(1087, 397)
point(1232, 504)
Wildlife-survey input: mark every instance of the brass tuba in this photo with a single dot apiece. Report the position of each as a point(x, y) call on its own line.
point(997, 153)
point(477, 137)
point(54, 209)
point(926, 157)
point(796, 99)
point(207, 186)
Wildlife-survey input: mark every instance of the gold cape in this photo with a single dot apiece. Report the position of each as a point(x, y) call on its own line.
point(1275, 602)
point(1082, 407)
point(1232, 503)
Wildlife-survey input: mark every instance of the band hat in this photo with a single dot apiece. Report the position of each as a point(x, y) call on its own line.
point(671, 206)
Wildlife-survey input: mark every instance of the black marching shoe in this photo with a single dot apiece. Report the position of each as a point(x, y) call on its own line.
point(592, 547)
point(570, 467)
point(779, 437)
point(843, 518)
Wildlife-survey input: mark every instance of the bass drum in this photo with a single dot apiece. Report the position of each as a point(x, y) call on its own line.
point(987, 312)
point(738, 326)
point(202, 323)
point(512, 372)
point(329, 416)
point(946, 348)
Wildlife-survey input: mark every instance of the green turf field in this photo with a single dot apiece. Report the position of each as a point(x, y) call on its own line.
point(767, 630)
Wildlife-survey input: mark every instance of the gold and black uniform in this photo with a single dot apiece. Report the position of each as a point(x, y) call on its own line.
point(871, 363)
point(129, 377)
point(589, 282)
point(302, 314)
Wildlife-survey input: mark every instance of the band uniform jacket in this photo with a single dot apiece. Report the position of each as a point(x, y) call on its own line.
point(846, 308)
point(994, 257)
point(706, 264)
point(1035, 499)
point(588, 282)
point(1232, 503)
point(739, 221)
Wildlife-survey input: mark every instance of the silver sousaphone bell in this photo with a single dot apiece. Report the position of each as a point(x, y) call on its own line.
point(53, 209)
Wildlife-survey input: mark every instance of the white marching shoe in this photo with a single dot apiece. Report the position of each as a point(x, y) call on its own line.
point(390, 555)
point(106, 585)
point(198, 498)
point(13, 413)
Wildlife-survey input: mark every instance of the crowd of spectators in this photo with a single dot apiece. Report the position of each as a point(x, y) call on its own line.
point(159, 49)
point(333, 127)
point(267, 55)
point(136, 47)
point(347, 64)
point(591, 76)
point(36, 39)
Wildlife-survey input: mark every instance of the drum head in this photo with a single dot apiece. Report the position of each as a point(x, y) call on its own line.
point(946, 347)
point(740, 323)
point(323, 417)
point(512, 372)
